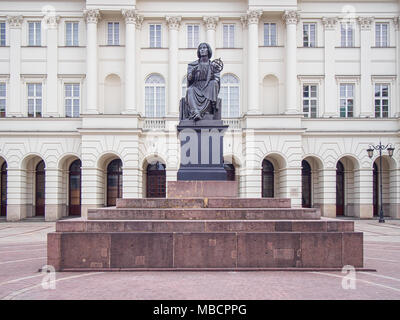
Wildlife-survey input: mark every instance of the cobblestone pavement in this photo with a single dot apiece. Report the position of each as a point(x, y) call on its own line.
point(23, 253)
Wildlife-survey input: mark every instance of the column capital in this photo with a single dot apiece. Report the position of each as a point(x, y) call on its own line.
point(365, 22)
point(174, 22)
point(92, 15)
point(129, 15)
point(330, 22)
point(253, 16)
point(291, 17)
point(15, 21)
point(396, 23)
point(211, 22)
point(51, 21)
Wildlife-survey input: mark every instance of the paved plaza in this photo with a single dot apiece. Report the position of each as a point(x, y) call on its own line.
point(23, 254)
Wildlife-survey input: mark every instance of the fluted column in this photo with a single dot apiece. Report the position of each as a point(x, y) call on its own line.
point(92, 16)
point(211, 25)
point(130, 60)
point(14, 107)
point(291, 18)
point(51, 24)
point(173, 80)
point(331, 108)
point(253, 17)
point(367, 109)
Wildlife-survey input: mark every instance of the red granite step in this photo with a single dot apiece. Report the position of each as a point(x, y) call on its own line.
point(80, 225)
point(204, 203)
point(204, 214)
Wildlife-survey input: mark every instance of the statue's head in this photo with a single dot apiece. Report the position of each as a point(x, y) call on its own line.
point(203, 46)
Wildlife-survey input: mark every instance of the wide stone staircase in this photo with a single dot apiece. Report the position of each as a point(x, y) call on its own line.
point(204, 234)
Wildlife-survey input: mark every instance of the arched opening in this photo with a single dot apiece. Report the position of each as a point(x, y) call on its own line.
point(40, 189)
point(340, 181)
point(3, 190)
point(306, 184)
point(230, 96)
point(268, 181)
point(114, 182)
point(74, 188)
point(112, 94)
point(270, 96)
point(230, 171)
point(375, 190)
point(154, 96)
point(156, 180)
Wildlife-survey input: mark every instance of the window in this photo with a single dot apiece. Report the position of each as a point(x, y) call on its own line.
point(309, 34)
point(192, 35)
point(155, 36)
point(3, 98)
point(269, 34)
point(155, 96)
point(230, 96)
point(310, 99)
point(34, 99)
point(346, 34)
point(229, 35)
point(113, 34)
point(71, 33)
point(34, 33)
point(381, 100)
point(381, 34)
point(72, 99)
point(2, 33)
point(346, 100)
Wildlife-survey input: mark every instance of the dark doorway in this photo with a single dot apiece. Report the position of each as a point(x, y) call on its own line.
point(3, 190)
point(375, 189)
point(40, 189)
point(340, 189)
point(156, 181)
point(230, 171)
point(267, 179)
point(74, 202)
point(306, 184)
point(114, 182)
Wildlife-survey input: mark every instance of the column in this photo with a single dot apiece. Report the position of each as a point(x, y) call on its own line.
point(14, 108)
point(92, 16)
point(291, 18)
point(331, 108)
point(363, 186)
point(130, 61)
point(173, 79)
point(328, 194)
point(211, 25)
point(252, 78)
point(366, 108)
point(53, 206)
point(51, 24)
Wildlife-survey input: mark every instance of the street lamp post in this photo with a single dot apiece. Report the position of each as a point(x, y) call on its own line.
point(370, 151)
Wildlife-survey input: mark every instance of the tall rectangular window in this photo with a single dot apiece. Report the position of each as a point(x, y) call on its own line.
point(229, 35)
point(193, 35)
point(72, 100)
point(310, 99)
point(381, 34)
point(381, 100)
point(155, 36)
point(346, 35)
point(346, 100)
point(113, 34)
point(34, 99)
point(2, 33)
point(71, 33)
point(309, 35)
point(269, 34)
point(34, 33)
point(3, 98)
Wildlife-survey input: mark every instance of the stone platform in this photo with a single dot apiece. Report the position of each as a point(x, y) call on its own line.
point(204, 234)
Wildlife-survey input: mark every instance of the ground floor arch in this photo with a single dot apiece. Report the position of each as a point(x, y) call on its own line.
point(3, 188)
point(273, 176)
point(114, 182)
point(156, 185)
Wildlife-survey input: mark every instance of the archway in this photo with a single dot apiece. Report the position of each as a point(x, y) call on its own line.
point(375, 190)
point(306, 184)
point(340, 182)
point(268, 181)
point(74, 188)
point(3, 189)
point(114, 182)
point(40, 189)
point(156, 180)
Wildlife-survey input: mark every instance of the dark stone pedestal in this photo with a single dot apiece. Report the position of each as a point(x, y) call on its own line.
point(201, 150)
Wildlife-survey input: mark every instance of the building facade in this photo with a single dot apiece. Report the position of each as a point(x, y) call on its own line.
point(90, 91)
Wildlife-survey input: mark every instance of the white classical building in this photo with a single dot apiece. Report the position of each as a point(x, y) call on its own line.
point(90, 91)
